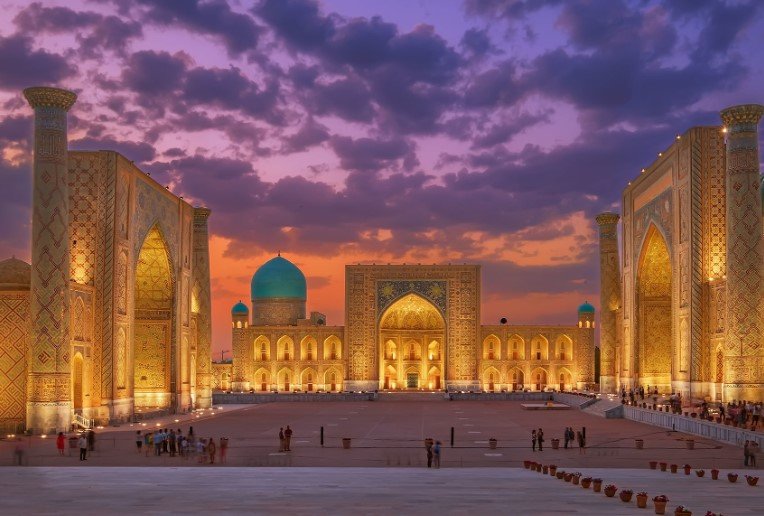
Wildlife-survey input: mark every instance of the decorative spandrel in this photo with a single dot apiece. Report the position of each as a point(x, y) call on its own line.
point(389, 291)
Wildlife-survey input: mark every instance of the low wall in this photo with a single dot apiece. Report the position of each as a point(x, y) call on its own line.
point(694, 426)
point(580, 401)
point(244, 398)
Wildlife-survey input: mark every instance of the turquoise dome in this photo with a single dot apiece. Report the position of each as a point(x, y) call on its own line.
point(278, 278)
point(586, 308)
point(239, 309)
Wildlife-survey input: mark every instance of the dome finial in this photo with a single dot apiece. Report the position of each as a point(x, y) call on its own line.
point(278, 253)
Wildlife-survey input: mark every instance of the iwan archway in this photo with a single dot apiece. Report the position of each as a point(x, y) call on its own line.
point(154, 308)
point(654, 349)
point(411, 336)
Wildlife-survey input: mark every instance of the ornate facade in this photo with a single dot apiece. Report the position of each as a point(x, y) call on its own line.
point(691, 315)
point(113, 313)
point(408, 327)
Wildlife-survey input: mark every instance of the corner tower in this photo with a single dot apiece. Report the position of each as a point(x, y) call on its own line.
point(49, 398)
point(744, 341)
point(610, 298)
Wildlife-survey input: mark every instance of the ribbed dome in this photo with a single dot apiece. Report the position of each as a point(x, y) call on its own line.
point(239, 309)
point(278, 278)
point(15, 273)
point(586, 308)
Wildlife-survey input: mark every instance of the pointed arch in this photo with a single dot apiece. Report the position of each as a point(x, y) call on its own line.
point(433, 350)
point(78, 378)
point(263, 380)
point(540, 347)
point(516, 377)
point(565, 379)
point(332, 380)
point(539, 378)
point(309, 379)
point(78, 314)
point(516, 347)
point(332, 348)
point(308, 348)
point(262, 348)
point(563, 348)
point(491, 379)
point(391, 349)
point(285, 379)
point(285, 348)
point(491, 348)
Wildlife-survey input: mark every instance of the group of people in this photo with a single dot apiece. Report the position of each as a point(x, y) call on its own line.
point(743, 412)
point(569, 437)
point(750, 451)
point(432, 449)
point(187, 446)
point(285, 439)
point(85, 443)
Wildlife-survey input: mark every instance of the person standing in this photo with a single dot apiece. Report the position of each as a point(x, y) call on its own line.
point(282, 441)
point(288, 438)
point(212, 449)
point(91, 440)
point(534, 439)
point(428, 448)
point(223, 449)
point(581, 443)
point(165, 441)
point(138, 441)
point(566, 437)
point(436, 455)
point(61, 443)
point(540, 435)
point(173, 442)
point(83, 444)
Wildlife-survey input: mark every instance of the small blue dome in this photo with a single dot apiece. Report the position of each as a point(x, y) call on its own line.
point(239, 309)
point(586, 308)
point(278, 278)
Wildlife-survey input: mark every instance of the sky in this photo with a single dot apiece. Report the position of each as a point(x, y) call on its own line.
point(382, 131)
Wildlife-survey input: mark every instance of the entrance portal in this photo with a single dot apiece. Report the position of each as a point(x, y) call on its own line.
point(411, 337)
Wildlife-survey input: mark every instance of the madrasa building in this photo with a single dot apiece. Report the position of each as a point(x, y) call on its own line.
point(682, 307)
point(407, 327)
point(112, 316)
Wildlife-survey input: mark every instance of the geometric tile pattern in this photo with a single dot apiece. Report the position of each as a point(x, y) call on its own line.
point(14, 324)
point(610, 294)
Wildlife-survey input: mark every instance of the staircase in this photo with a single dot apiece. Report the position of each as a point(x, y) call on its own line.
point(83, 422)
point(603, 405)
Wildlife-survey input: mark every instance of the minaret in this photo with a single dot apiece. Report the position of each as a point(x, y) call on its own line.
point(49, 398)
point(744, 349)
point(201, 273)
point(610, 298)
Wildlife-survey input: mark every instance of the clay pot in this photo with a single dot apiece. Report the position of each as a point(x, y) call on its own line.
point(560, 474)
point(660, 507)
point(597, 486)
point(575, 479)
point(555, 444)
point(527, 464)
point(674, 468)
point(625, 496)
point(687, 470)
point(552, 470)
point(700, 472)
point(585, 483)
point(346, 443)
point(642, 502)
point(663, 466)
point(492, 443)
point(653, 464)
point(639, 443)
point(545, 470)
point(568, 477)
point(714, 474)
point(752, 481)
point(610, 493)
point(732, 477)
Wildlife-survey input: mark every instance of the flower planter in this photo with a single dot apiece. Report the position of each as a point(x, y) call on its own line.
point(653, 464)
point(492, 443)
point(660, 507)
point(610, 491)
point(642, 501)
point(687, 469)
point(732, 477)
point(346, 443)
point(575, 479)
point(568, 477)
point(555, 444)
point(663, 466)
point(682, 513)
point(545, 470)
point(527, 464)
point(596, 486)
point(552, 470)
point(625, 496)
point(639, 443)
point(752, 481)
point(693, 415)
point(586, 483)
point(714, 474)
point(560, 474)
point(700, 472)
point(690, 443)
point(674, 468)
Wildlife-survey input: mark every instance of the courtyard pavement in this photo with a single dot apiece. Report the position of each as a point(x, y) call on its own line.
point(298, 491)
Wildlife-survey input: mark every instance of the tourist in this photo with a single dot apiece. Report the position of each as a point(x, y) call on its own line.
point(223, 449)
point(211, 449)
point(428, 450)
point(540, 436)
point(148, 441)
point(755, 416)
point(436, 455)
point(282, 442)
point(18, 452)
point(746, 452)
point(753, 452)
point(173, 442)
point(186, 447)
point(200, 450)
point(533, 439)
point(571, 436)
point(91, 440)
point(288, 438)
point(61, 443)
point(158, 438)
point(138, 441)
point(165, 441)
point(83, 444)
point(581, 443)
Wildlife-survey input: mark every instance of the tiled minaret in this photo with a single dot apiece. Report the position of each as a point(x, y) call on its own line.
point(49, 396)
point(201, 274)
point(744, 347)
point(610, 298)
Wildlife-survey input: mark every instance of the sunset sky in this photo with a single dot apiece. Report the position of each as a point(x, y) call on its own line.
point(418, 131)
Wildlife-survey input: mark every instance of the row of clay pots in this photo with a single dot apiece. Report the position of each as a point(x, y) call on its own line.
point(732, 477)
